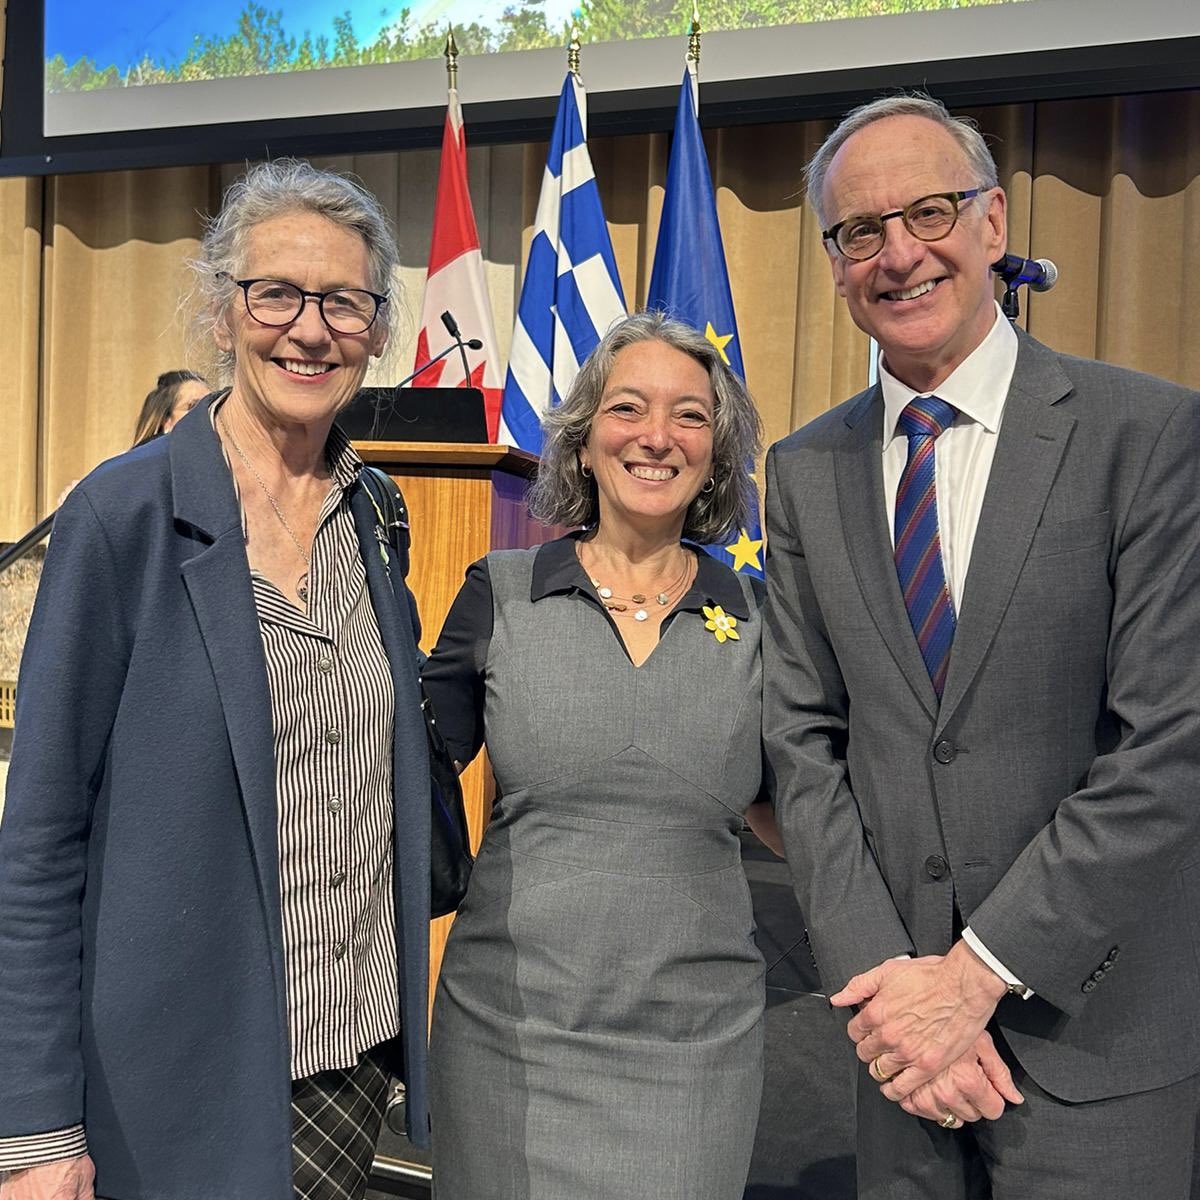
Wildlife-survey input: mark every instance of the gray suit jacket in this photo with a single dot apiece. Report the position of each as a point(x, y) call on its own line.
point(1053, 797)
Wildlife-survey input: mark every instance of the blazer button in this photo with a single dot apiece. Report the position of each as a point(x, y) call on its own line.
point(944, 751)
point(1089, 985)
point(1114, 952)
point(935, 866)
point(1097, 975)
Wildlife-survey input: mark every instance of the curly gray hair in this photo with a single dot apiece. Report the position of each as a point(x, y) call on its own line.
point(563, 495)
point(275, 189)
point(915, 104)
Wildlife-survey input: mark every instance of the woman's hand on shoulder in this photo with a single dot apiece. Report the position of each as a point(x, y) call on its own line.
point(68, 1179)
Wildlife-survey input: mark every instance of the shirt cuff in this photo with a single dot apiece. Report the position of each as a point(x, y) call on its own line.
point(1015, 986)
point(34, 1149)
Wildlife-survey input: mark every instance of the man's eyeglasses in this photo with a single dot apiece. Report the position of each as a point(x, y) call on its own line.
point(277, 303)
point(929, 219)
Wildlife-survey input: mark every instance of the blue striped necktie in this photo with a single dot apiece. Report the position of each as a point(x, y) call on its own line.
point(918, 544)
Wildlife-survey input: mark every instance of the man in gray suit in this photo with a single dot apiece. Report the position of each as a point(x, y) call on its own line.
point(982, 707)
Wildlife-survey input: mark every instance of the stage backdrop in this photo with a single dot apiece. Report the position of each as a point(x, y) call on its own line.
point(92, 267)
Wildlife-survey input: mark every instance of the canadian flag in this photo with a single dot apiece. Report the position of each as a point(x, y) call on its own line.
point(456, 283)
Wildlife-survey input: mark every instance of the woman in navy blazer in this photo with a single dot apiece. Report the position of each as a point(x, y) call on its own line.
point(143, 945)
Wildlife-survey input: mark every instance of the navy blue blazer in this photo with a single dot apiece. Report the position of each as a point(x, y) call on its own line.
point(141, 945)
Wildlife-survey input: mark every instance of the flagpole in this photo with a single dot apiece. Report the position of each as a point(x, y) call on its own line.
point(451, 53)
point(573, 48)
point(693, 53)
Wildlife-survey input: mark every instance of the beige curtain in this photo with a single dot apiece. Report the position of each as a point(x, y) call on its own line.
point(93, 266)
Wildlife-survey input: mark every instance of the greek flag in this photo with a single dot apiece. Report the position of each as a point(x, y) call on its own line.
point(571, 293)
point(691, 282)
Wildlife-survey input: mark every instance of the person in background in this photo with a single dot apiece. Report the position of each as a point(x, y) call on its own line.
point(597, 1029)
point(982, 710)
point(174, 394)
point(214, 855)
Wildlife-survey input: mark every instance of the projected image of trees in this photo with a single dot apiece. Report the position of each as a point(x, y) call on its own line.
point(262, 41)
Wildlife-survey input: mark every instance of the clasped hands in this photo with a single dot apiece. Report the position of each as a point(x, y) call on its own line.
point(920, 1030)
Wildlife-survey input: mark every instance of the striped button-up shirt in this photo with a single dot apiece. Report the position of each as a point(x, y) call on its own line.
point(332, 705)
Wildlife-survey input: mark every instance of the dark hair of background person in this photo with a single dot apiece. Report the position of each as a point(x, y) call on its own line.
point(159, 402)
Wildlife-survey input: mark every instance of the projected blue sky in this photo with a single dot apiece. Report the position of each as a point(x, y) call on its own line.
point(163, 30)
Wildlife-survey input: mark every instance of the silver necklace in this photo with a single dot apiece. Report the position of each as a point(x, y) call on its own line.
point(302, 582)
point(620, 604)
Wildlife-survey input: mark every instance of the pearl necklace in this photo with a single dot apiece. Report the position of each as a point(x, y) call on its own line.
point(620, 604)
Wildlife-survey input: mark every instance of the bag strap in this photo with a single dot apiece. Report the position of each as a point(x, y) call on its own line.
point(389, 504)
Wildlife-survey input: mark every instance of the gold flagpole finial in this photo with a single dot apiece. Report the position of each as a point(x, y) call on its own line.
point(451, 53)
point(573, 48)
point(693, 54)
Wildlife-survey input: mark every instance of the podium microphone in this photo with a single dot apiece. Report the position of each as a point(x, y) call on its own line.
point(473, 344)
point(452, 329)
point(459, 344)
point(1040, 274)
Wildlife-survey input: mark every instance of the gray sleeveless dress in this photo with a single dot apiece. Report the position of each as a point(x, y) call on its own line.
point(597, 1031)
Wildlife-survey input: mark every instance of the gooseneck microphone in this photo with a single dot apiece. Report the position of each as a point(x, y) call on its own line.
point(1040, 274)
point(452, 329)
point(437, 358)
point(377, 422)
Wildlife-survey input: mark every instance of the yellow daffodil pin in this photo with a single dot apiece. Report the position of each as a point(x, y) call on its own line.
point(722, 625)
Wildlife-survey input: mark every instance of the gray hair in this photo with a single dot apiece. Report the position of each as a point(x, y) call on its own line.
point(562, 494)
point(275, 189)
point(916, 104)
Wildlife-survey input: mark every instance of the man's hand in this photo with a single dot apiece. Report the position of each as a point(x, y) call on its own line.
point(976, 1086)
point(68, 1179)
point(919, 1015)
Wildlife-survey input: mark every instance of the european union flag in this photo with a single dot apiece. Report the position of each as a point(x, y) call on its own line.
point(691, 282)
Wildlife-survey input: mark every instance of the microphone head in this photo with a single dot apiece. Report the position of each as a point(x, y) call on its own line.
point(451, 324)
point(1050, 276)
point(473, 344)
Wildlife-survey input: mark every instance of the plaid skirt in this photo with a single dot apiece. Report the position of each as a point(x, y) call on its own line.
point(336, 1117)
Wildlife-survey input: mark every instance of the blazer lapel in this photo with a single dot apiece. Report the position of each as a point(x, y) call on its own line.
point(858, 468)
point(1033, 438)
point(398, 628)
point(217, 580)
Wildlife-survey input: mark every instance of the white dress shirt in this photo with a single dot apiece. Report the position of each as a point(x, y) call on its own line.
point(963, 455)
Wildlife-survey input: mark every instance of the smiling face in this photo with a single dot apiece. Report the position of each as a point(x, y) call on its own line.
point(650, 445)
point(300, 374)
point(928, 304)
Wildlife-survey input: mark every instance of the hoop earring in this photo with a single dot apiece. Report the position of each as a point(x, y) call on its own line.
point(708, 487)
point(585, 470)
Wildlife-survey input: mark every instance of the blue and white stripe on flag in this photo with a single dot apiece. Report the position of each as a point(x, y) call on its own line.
point(571, 293)
point(691, 282)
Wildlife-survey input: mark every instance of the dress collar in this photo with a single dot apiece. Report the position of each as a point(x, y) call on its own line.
point(557, 570)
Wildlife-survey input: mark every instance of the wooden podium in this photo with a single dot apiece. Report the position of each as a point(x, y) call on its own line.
point(463, 500)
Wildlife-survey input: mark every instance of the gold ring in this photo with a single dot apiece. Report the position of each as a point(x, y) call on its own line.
point(876, 1074)
point(949, 1121)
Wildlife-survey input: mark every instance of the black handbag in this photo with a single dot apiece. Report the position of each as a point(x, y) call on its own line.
point(450, 858)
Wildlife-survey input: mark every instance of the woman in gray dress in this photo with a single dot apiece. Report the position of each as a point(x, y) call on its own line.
point(597, 1030)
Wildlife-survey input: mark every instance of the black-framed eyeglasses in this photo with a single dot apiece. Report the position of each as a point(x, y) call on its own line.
point(928, 219)
point(275, 302)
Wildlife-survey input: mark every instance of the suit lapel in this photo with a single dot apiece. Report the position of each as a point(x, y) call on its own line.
point(410, 768)
point(1033, 438)
point(217, 580)
point(858, 468)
